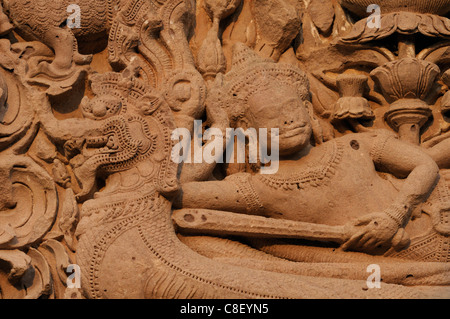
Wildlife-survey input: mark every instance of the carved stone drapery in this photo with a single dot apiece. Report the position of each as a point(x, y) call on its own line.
point(89, 117)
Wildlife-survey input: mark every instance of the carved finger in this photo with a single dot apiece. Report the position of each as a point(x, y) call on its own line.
point(353, 240)
point(364, 239)
point(371, 244)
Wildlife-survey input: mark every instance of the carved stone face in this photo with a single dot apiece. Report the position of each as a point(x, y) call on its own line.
point(101, 107)
point(279, 106)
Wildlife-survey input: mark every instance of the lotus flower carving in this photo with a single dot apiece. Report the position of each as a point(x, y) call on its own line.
point(359, 7)
point(407, 78)
point(399, 22)
point(406, 84)
point(402, 16)
point(351, 103)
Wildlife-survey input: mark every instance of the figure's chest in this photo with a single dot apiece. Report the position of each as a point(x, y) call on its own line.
point(338, 179)
point(333, 163)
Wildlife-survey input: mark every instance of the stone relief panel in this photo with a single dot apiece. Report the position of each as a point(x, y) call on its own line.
point(224, 149)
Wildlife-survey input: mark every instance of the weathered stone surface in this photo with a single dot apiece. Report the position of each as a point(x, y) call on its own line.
point(322, 14)
point(119, 176)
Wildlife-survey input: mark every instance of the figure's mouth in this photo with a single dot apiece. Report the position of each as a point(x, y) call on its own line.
point(294, 130)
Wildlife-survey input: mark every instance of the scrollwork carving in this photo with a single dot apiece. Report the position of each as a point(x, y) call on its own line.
point(90, 116)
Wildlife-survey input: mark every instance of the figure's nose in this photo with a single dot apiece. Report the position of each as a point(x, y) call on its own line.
point(293, 123)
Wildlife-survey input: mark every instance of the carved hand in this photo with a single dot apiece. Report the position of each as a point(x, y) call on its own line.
point(375, 230)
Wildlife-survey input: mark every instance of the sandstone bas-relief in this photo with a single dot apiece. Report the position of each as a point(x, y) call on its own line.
point(92, 93)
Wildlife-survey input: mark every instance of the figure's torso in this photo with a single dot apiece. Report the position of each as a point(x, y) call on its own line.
point(335, 183)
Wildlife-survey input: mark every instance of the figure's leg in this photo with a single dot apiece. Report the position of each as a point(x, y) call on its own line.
point(5, 25)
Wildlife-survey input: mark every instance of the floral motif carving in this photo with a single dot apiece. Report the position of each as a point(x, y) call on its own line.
point(90, 117)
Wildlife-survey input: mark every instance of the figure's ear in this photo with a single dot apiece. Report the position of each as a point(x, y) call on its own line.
point(315, 124)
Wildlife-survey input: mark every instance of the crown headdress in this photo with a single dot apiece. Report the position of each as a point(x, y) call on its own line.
point(249, 70)
point(250, 74)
